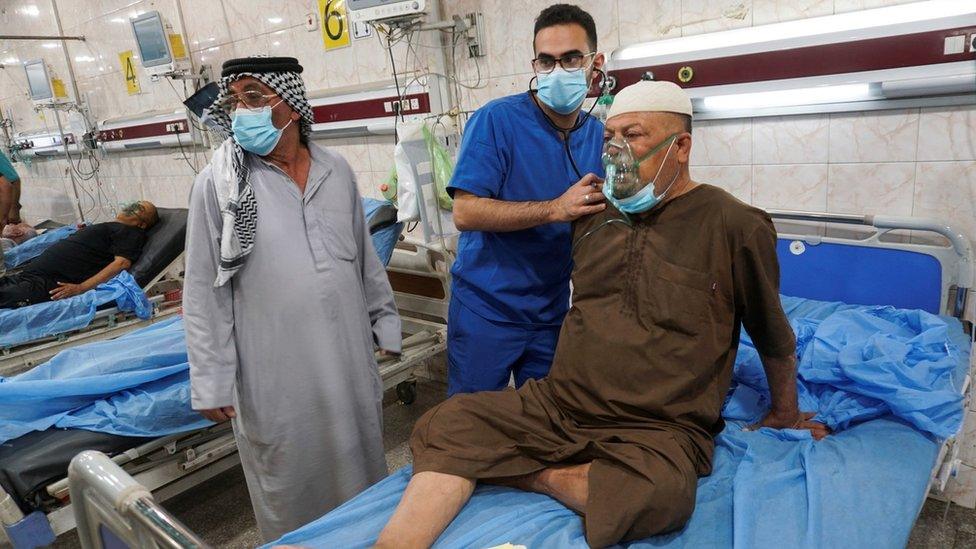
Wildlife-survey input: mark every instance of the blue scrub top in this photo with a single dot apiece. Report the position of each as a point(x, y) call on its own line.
point(510, 152)
point(7, 169)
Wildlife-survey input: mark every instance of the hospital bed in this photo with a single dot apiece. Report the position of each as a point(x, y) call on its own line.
point(32, 467)
point(862, 486)
point(153, 271)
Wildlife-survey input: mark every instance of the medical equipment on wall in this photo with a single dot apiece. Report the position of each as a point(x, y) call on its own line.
point(370, 11)
point(161, 51)
point(359, 111)
point(911, 55)
point(39, 85)
point(43, 143)
point(146, 131)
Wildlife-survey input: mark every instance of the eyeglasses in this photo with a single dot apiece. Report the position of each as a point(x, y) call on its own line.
point(251, 99)
point(544, 64)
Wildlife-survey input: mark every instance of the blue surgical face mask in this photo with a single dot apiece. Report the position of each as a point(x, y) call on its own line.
point(563, 91)
point(622, 185)
point(254, 130)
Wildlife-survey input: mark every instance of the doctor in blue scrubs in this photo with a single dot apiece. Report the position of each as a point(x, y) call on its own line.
point(528, 166)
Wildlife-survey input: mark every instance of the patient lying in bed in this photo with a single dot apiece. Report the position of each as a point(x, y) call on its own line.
point(82, 261)
point(624, 424)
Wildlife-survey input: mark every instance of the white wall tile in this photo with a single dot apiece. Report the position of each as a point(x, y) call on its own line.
point(790, 187)
point(946, 191)
point(791, 140)
point(774, 11)
point(737, 180)
point(722, 143)
point(502, 41)
point(871, 188)
point(380, 153)
point(206, 25)
point(702, 16)
point(841, 6)
point(888, 136)
point(646, 20)
point(947, 133)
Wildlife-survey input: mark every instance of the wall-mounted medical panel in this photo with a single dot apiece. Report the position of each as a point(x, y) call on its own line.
point(358, 111)
point(919, 54)
point(149, 131)
point(43, 143)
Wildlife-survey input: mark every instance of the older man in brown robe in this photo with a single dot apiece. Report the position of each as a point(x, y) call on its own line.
point(623, 426)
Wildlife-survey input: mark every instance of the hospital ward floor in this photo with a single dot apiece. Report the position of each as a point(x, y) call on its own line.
point(220, 512)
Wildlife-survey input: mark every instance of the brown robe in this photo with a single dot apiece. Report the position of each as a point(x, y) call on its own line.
point(642, 367)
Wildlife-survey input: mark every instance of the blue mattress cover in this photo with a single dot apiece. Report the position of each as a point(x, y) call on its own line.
point(135, 385)
point(860, 487)
point(33, 247)
point(18, 326)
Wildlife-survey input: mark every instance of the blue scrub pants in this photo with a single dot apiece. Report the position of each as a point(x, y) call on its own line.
point(482, 354)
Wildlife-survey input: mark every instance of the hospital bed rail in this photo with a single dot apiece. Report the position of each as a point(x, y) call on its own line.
point(884, 224)
point(957, 279)
point(111, 507)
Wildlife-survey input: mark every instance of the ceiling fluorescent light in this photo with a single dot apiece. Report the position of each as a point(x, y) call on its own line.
point(844, 22)
point(786, 98)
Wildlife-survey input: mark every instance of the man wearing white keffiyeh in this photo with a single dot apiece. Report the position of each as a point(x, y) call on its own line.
point(285, 301)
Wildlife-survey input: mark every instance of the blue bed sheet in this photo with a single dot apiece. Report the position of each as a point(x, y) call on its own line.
point(385, 239)
point(136, 385)
point(23, 253)
point(26, 324)
point(860, 487)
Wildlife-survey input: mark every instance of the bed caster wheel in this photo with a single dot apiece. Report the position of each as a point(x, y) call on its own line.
point(407, 392)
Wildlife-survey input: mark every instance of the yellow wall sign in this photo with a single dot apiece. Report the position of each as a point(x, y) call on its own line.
point(335, 23)
point(129, 72)
point(177, 47)
point(57, 87)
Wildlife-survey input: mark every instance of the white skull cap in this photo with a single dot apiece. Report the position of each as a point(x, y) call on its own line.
point(650, 96)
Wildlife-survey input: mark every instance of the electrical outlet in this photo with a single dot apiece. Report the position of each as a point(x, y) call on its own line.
point(972, 42)
point(387, 106)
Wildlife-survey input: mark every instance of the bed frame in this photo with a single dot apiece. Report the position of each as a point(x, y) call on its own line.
point(103, 494)
point(836, 257)
point(168, 466)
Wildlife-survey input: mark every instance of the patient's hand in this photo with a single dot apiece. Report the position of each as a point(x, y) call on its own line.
point(65, 290)
point(799, 420)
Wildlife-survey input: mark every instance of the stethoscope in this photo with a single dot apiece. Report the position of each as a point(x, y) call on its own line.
point(605, 87)
point(580, 120)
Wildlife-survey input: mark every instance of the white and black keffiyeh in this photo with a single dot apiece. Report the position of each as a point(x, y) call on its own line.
point(231, 173)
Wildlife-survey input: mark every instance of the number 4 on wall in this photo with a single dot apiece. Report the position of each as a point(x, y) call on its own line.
point(129, 72)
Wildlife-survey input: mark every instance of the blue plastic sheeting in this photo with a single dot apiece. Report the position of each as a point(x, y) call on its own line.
point(859, 487)
point(33, 247)
point(56, 317)
point(865, 362)
point(385, 239)
point(136, 385)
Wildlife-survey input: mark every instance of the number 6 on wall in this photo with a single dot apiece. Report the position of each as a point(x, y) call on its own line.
point(335, 23)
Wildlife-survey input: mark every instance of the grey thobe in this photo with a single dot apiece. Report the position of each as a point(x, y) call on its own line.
point(289, 341)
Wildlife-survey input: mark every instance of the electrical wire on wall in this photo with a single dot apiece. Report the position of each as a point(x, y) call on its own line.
point(193, 165)
point(413, 64)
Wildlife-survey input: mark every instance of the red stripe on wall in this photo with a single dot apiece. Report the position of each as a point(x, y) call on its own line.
point(890, 52)
point(156, 129)
point(366, 108)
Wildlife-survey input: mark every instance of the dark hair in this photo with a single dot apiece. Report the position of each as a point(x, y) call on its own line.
point(566, 14)
point(687, 121)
